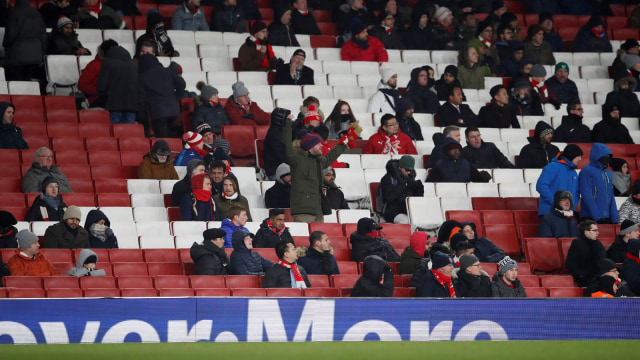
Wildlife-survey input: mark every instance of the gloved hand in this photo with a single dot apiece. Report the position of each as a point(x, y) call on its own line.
point(248, 116)
point(278, 116)
point(108, 232)
point(556, 104)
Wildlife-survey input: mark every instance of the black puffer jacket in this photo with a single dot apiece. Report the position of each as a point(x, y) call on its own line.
point(281, 34)
point(468, 285)
point(534, 155)
point(25, 37)
point(363, 245)
point(246, 262)
point(395, 188)
point(209, 259)
point(118, 80)
point(610, 130)
point(158, 89)
point(368, 285)
point(572, 130)
point(266, 238)
point(501, 290)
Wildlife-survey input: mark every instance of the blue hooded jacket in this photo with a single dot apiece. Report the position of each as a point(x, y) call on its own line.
point(230, 227)
point(560, 174)
point(596, 187)
point(246, 262)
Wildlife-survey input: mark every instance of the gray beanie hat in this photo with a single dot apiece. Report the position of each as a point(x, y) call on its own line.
point(538, 70)
point(73, 212)
point(506, 264)
point(25, 239)
point(207, 91)
point(239, 89)
point(627, 226)
point(467, 260)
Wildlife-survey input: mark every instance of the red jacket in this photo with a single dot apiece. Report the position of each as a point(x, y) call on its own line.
point(89, 79)
point(235, 113)
point(375, 52)
point(377, 143)
point(336, 164)
point(21, 265)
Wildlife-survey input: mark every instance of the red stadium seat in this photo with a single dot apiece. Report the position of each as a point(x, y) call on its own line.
point(268, 253)
point(527, 230)
point(132, 158)
point(550, 281)
point(135, 282)
point(13, 199)
point(103, 292)
point(58, 255)
point(322, 292)
point(348, 267)
point(126, 255)
point(497, 217)
point(18, 212)
point(122, 131)
point(490, 268)
point(80, 199)
point(521, 203)
point(623, 34)
point(162, 268)
point(109, 172)
point(95, 117)
point(29, 107)
point(319, 281)
point(102, 144)
point(259, 148)
point(12, 171)
point(241, 138)
point(328, 28)
point(31, 282)
point(248, 292)
point(534, 292)
point(344, 281)
point(266, 13)
point(129, 268)
point(104, 158)
point(64, 157)
point(97, 282)
point(59, 104)
point(331, 229)
point(488, 203)
point(144, 292)
point(525, 217)
point(399, 292)
point(565, 244)
point(111, 186)
point(504, 236)
point(67, 117)
point(91, 130)
point(608, 230)
point(64, 293)
point(68, 143)
point(342, 254)
point(134, 144)
point(524, 269)
point(145, 7)
point(77, 171)
point(260, 131)
point(618, 9)
point(207, 282)
point(161, 255)
point(117, 199)
point(284, 292)
point(543, 254)
point(617, 22)
point(9, 156)
point(349, 228)
point(213, 292)
point(242, 281)
point(10, 185)
point(323, 41)
point(571, 292)
point(26, 293)
point(171, 281)
point(529, 281)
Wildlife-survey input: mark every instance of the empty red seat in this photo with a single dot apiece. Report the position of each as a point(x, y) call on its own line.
point(104, 158)
point(399, 292)
point(625, 33)
point(176, 292)
point(342, 254)
point(91, 130)
point(534, 292)
point(113, 200)
point(64, 117)
point(58, 255)
point(102, 292)
point(53, 103)
point(132, 157)
point(284, 292)
point(64, 293)
point(9, 156)
point(129, 268)
point(134, 144)
point(344, 281)
point(525, 217)
point(77, 171)
point(80, 199)
point(567, 292)
point(550, 281)
point(565, 244)
point(108, 172)
point(26, 293)
point(128, 130)
point(11, 185)
point(64, 157)
point(321, 292)
point(522, 203)
point(18, 212)
point(248, 292)
point(497, 217)
point(67, 142)
point(171, 281)
point(97, 282)
point(207, 281)
point(82, 185)
point(319, 281)
point(543, 254)
point(260, 131)
point(328, 28)
point(348, 267)
point(161, 255)
point(135, 282)
point(111, 186)
point(488, 203)
point(134, 292)
point(331, 229)
point(163, 268)
point(102, 144)
point(529, 281)
point(324, 41)
point(241, 138)
point(32, 282)
point(213, 292)
point(29, 107)
point(11, 171)
point(242, 281)
point(95, 117)
point(13, 199)
point(126, 255)
point(490, 268)
point(268, 253)
point(504, 236)
point(397, 231)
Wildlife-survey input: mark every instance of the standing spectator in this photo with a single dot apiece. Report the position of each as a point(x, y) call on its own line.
point(10, 135)
point(442, 30)
point(208, 109)
point(63, 40)
point(210, 258)
point(49, 205)
point(189, 16)
point(418, 36)
point(621, 177)
point(158, 163)
point(506, 284)
point(199, 205)
point(236, 220)
point(256, 53)
point(630, 208)
point(193, 149)
point(498, 113)
point(340, 119)
point(385, 98)
point(447, 80)
point(545, 20)
point(295, 72)
point(420, 91)
point(363, 47)
point(28, 260)
point(376, 279)
point(596, 187)
point(241, 110)
point(481, 154)
point(279, 195)
point(67, 234)
point(559, 174)
point(540, 151)
point(86, 265)
point(617, 251)
point(572, 129)
point(25, 43)
point(368, 240)
point(100, 233)
point(318, 259)
point(415, 254)
point(623, 96)
point(228, 17)
point(302, 19)
point(592, 37)
point(157, 35)
point(230, 195)
point(118, 83)
point(8, 231)
point(559, 222)
point(286, 273)
point(280, 30)
point(94, 15)
point(244, 261)
point(88, 82)
point(470, 280)
point(272, 231)
point(536, 48)
point(454, 112)
point(470, 74)
point(41, 169)
point(396, 185)
point(389, 139)
point(404, 115)
point(611, 130)
point(183, 187)
point(564, 88)
point(386, 32)
point(53, 10)
point(331, 190)
point(436, 283)
point(584, 253)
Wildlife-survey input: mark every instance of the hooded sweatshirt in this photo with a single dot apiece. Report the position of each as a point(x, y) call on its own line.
point(596, 187)
point(376, 280)
point(560, 174)
point(534, 155)
point(10, 135)
point(86, 256)
point(424, 99)
point(118, 80)
point(610, 130)
point(246, 262)
point(183, 187)
point(100, 236)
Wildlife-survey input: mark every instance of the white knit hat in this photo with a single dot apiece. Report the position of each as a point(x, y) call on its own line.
point(441, 13)
point(386, 73)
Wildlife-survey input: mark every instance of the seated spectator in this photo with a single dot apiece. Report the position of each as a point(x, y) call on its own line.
point(536, 79)
point(621, 177)
point(560, 221)
point(606, 267)
point(564, 88)
point(353, 11)
point(210, 258)
point(208, 109)
point(67, 234)
point(118, 84)
point(310, 118)
point(10, 135)
point(244, 261)
point(100, 233)
point(278, 196)
point(505, 283)
point(302, 19)
point(183, 187)
point(256, 53)
point(452, 168)
point(286, 273)
point(454, 112)
point(385, 98)
point(28, 260)
point(611, 130)
point(536, 48)
point(208, 137)
point(236, 220)
point(340, 119)
point(193, 149)
point(584, 253)
point(368, 240)
point(88, 81)
point(318, 259)
point(63, 40)
point(630, 208)
point(420, 91)
point(280, 31)
point(272, 231)
point(230, 195)
point(540, 151)
point(416, 253)
point(459, 245)
point(451, 131)
point(442, 30)
point(53, 10)
point(241, 110)
point(447, 80)
point(484, 248)
point(418, 35)
point(617, 251)
point(485, 62)
point(559, 174)
point(228, 17)
point(404, 115)
point(41, 169)
point(49, 205)
point(523, 100)
point(470, 73)
point(376, 279)
point(498, 113)
point(199, 204)
point(219, 169)
point(630, 266)
point(469, 280)
point(436, 283)
point(545, 20)
point(627, 49)
point(572, 129)
point(468, 25)
point(189, 16)
point(156, 34)
point(8, 230)
point(386, 32)
point(623, 95)
point(511, 64)
point(592, 37)
point(389, 139)
point(295, 72)
point(158, 163)
point(596, 187)
point(331, 191)
point(607, 287)
point(94, 15)
point(481, 154)
point(363, 47)
point(503, 43)
point(395, 186)
point(86, 265)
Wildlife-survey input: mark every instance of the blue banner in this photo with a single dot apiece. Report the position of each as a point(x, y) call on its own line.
point(37, 321)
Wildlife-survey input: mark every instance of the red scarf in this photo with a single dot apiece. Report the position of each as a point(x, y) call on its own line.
point(300, 284)
point(272, 228)
point(448, 28)
point(95, 8)
point(202, 195)
point(509, 285)
point(541, 90)
point(598, 34)
point(202, 152)
point(445, 281)
point(486, 42)
point(304, 13)
point(634, 258)
point(197, 182)
point(8, 232)
point(269, 55)
point(213, 103)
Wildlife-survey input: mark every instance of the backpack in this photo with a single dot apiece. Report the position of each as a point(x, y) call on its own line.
point(381, 205)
